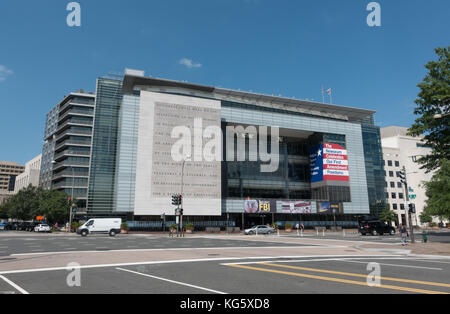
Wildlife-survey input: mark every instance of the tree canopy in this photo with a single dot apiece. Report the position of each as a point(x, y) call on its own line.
point(35, 201)
point(434, 111)
point(438, 192)
point(388, 216)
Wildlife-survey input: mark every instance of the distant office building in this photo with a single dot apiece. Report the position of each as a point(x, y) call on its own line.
point(330, 157)
point(8, 174)
point(67, 149)
point(401, 150)
point(30, 176)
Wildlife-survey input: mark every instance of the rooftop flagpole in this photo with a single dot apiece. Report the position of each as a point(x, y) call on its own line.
point(323, 95)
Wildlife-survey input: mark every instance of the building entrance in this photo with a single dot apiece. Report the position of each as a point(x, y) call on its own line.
point(251, 220)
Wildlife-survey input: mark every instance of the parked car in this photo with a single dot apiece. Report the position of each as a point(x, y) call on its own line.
point(376, 228)
point(42, 228)
point(32, 226)
point(109, 226)
point(25, 226)
point(260, 230)
point(9, 226)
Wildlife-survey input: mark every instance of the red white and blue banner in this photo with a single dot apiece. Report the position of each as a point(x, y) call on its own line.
point(329, 162)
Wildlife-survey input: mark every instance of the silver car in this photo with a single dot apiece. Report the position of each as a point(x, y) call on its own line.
point(260, 230)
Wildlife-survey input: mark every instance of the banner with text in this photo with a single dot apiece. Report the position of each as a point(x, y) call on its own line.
point(329, 162)
point(296, 207)
point(260, 207)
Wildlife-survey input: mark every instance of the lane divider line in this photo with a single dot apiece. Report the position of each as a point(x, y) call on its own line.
point(171, 281)
point(21, 290)
point(359, 283)
point(428, 283)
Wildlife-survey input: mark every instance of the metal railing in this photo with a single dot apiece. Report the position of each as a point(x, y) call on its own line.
point(76, 112)
point(73, 142)
point(70, 163)
point(69, 152)
point(74, 121)
point(68, 104)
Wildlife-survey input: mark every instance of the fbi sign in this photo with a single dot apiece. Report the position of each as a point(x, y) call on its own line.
point(260, 207)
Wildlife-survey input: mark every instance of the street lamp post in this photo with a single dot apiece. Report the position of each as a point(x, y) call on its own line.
point(182, 192)
point(71, 199)
point(408, 214)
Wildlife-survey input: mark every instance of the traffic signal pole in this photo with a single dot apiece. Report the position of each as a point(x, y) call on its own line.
point(407, 208)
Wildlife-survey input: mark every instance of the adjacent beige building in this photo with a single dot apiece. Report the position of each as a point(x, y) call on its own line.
point(30, 176)
point(401, 150)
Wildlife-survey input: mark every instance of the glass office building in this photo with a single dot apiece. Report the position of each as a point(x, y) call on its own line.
point(132, 174)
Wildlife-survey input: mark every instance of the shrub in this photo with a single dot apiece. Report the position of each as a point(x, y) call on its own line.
point(288, 226)
point(125, 226)
point(190, 226)
point(173, 227)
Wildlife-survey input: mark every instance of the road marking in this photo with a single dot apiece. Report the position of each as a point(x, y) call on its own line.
point(394, 265)
point(223, 259)
point(431, 261)
point(241, 238)
point(360, 283)
point(389, 257)
point(182, 249)
point(23, 291)
point(359, 275)
point(172, 281)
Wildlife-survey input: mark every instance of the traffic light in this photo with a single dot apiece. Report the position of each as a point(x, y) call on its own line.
point(412, 208)
point(177, 200)
point(402, 176)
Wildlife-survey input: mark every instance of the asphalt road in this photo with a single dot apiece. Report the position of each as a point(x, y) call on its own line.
point(304, 276)
point(30, 243)
point(121, 265)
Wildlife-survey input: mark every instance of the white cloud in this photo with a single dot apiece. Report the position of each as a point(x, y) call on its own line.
point(4, 72)
point(189, 63)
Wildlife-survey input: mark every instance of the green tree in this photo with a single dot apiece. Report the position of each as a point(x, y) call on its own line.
point(3, 213)
point(24, 205)
point(425, 218)
point(54, 206)
point(438, 192)
point(388, 216)
point(434, 99)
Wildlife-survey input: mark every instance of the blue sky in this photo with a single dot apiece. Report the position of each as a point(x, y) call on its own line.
point(281, 47)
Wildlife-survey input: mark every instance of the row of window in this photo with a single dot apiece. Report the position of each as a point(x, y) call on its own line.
point(392, 185)
point(391, 163)
point(11, 167)
point(391, 174)
point(397, 206)
point(394, 196)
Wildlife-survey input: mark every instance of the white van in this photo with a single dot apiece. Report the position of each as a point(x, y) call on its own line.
point(109, 226)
